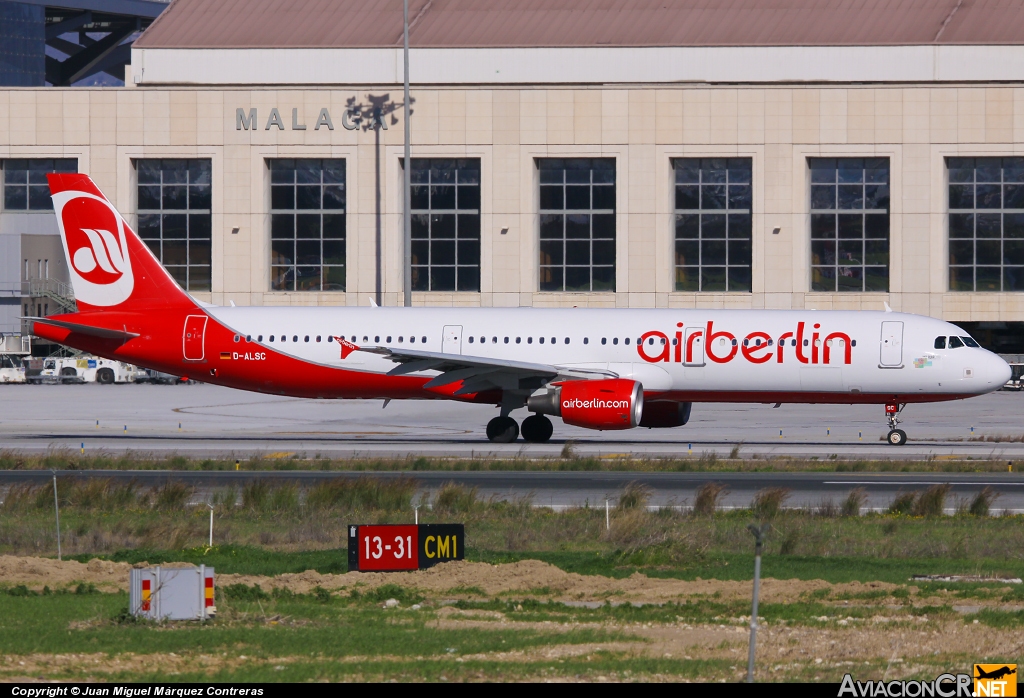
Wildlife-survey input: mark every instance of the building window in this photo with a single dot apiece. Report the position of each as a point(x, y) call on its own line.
point(577, 224)
point(713, 224)
point(986, 224)
point(307, 226)
point(849, 224)
point(445, 224)
point(174, 217)
point(25, 185)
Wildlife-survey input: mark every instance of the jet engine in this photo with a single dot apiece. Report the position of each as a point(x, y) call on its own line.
point(614, 403)
point(660, 414)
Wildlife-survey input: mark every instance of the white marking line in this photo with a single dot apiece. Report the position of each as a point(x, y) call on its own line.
point(933, 482)
point(683, 507)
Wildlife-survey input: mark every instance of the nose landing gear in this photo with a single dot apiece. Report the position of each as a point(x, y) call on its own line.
point(896, 437)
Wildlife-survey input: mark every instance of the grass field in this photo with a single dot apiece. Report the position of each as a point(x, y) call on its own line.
point(833, 539)
point(68, 459)
point(865, 617)
point(347, 635)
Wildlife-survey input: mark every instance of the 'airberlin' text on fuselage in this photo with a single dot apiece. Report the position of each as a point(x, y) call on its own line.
point(595, 404)
point(722, 346)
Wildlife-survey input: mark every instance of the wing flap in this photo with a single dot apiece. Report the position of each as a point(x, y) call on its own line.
point(456, 367)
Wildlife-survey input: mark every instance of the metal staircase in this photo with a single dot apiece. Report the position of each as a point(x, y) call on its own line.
point(52, 289)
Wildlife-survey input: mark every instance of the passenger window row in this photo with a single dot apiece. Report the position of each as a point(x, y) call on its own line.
point(955, 342)
point(519, 340)
point(330, 338)
point(940, 342)
point(284, 338)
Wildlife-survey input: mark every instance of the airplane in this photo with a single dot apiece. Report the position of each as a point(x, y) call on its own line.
point(995, 673)
point(603, 369)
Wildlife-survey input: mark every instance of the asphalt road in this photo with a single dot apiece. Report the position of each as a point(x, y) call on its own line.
point(593, 488)
point(203, 420)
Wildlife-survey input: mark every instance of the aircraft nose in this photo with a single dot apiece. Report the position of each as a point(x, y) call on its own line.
point(997, 371)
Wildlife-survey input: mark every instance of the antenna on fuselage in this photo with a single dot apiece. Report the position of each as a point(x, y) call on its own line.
point(887, 308)
point(373, 303)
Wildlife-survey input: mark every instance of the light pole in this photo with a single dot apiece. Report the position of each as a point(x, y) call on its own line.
point(407, 194)
point(759, 532)
point(56, 512)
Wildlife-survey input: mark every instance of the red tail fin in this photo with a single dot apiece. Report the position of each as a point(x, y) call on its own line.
point(110, 267)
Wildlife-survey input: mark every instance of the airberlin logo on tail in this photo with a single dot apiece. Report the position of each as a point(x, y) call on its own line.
point(101, 259)
point(96, 246)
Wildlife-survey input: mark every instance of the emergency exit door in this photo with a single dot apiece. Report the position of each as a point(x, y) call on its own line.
point(891, 345)
point(194, 338)
point(451, 342)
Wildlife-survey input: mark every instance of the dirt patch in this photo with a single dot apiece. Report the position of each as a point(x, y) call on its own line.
point(37, 572)
point(41, 667)
point(531, 577)
point(779, 647)
point(534, 576)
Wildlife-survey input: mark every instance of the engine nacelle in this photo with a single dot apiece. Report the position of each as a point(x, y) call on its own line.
point(615, 403)
point(660, 414)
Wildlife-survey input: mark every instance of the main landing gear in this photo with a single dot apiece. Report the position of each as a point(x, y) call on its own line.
point(896, 437)
point(502, 430)
point(536, 429)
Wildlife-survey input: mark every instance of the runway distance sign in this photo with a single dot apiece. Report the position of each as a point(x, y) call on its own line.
point(398, 547)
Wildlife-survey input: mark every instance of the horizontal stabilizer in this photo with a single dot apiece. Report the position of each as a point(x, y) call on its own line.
point(100, 332)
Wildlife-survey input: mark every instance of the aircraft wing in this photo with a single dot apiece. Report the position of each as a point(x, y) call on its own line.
point(479, 373)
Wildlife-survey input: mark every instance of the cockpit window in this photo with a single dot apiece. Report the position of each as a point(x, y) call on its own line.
point(955, 343)
point(940, 342)
point(970, 342)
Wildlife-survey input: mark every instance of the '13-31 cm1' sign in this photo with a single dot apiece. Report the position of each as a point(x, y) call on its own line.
point(390, 548)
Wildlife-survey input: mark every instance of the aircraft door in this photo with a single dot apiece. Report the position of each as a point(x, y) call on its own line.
point(891, 345)
point(693, 347)
point(194, 338)
point(451, 342)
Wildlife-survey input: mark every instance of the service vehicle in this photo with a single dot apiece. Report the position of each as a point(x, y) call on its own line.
point(86, 369)
point(12, 370)
point(1016, 381)
point(594, 368)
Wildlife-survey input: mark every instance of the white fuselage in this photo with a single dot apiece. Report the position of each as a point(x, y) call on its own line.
point(748, 354)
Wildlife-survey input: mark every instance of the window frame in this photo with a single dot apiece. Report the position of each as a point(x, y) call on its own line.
point(868, 245)
point(39, 189)
point(465, 265)
point(740, 168)
point(548, 249)
point(191, 216)
point(978, 245)
point(286, 278)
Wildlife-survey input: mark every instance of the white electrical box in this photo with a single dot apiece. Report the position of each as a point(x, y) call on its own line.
point(176, 593)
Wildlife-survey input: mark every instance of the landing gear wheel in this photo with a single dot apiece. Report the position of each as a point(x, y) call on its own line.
point(502, 430)
point(537, 429)
point(897, 437)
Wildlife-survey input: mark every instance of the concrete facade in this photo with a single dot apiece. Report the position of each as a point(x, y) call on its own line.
point(507, 127)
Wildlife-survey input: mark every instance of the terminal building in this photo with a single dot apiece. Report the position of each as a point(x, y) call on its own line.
point(814, 154)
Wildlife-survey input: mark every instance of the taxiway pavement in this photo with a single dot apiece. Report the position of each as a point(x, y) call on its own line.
point(204, 420)
point(208, 421)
